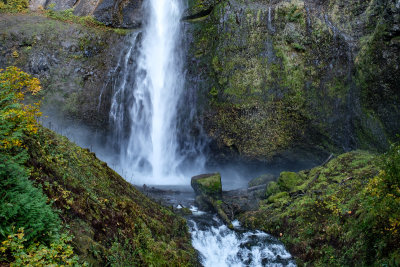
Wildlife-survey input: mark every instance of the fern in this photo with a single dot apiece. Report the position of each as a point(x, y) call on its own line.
point(21, 204)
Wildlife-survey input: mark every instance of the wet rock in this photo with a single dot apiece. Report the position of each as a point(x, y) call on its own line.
point(208, 189)
point(69, 45)
point(207, 184)
point(54, 51)
point(292, 80)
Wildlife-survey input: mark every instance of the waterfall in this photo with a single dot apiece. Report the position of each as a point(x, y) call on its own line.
point(144, 113)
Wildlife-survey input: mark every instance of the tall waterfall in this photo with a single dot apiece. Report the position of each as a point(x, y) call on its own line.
point(146, 99)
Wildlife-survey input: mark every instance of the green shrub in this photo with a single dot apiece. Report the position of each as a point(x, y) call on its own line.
point(58, 253)
point(380, 213)
point(21, 204)
point(281, 198)
point(294, 14)
point(13, 5)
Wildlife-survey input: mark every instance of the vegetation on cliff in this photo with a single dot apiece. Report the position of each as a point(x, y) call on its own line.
point(70, 191)
point(344, 213)
point(30, 230)
point(13, 5)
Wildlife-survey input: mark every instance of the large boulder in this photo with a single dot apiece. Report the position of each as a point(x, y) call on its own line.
point(208, 189)
point(207, 184)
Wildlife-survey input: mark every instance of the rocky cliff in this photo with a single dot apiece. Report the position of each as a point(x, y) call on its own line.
point(116, 13)
point(276, 81)
point(72, 61)
point(296, 79)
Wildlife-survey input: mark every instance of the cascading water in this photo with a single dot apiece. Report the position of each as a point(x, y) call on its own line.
point(220, 246)
point(146, 105)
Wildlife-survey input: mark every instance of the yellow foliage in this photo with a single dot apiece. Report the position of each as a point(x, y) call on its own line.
point(58, 253)
point(15, 116)
point(14, 5)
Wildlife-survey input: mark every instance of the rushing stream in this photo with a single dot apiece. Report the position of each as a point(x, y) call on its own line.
point(218, 245)
point(144, 116)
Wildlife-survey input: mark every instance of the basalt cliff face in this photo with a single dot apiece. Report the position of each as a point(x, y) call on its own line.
point(295, 80)
point(72, 62)
point(275, 80)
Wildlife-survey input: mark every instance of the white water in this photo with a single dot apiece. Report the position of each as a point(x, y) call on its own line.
point(220, 246)
point(148, 103)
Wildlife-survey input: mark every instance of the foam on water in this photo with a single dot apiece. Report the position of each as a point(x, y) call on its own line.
point(220, 246)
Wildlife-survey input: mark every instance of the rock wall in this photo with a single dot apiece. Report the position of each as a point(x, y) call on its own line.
point(72, 62)
point(276, 80)
point(116, 13)
point(295, 79)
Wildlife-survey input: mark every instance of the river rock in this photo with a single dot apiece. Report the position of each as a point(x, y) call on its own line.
point(208, 189)
point(207, 184)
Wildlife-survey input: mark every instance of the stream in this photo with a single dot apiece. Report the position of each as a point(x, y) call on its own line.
point(219, 246)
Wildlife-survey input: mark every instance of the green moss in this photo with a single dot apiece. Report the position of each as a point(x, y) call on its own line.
point(279, 198)
point(323, 214)
point(287, 181)
point(272, 189)
point(209, 184)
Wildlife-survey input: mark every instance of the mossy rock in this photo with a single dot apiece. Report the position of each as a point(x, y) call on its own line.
point(207, 184)
point(289, 180)
point(272, 188)
point(260, 180)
